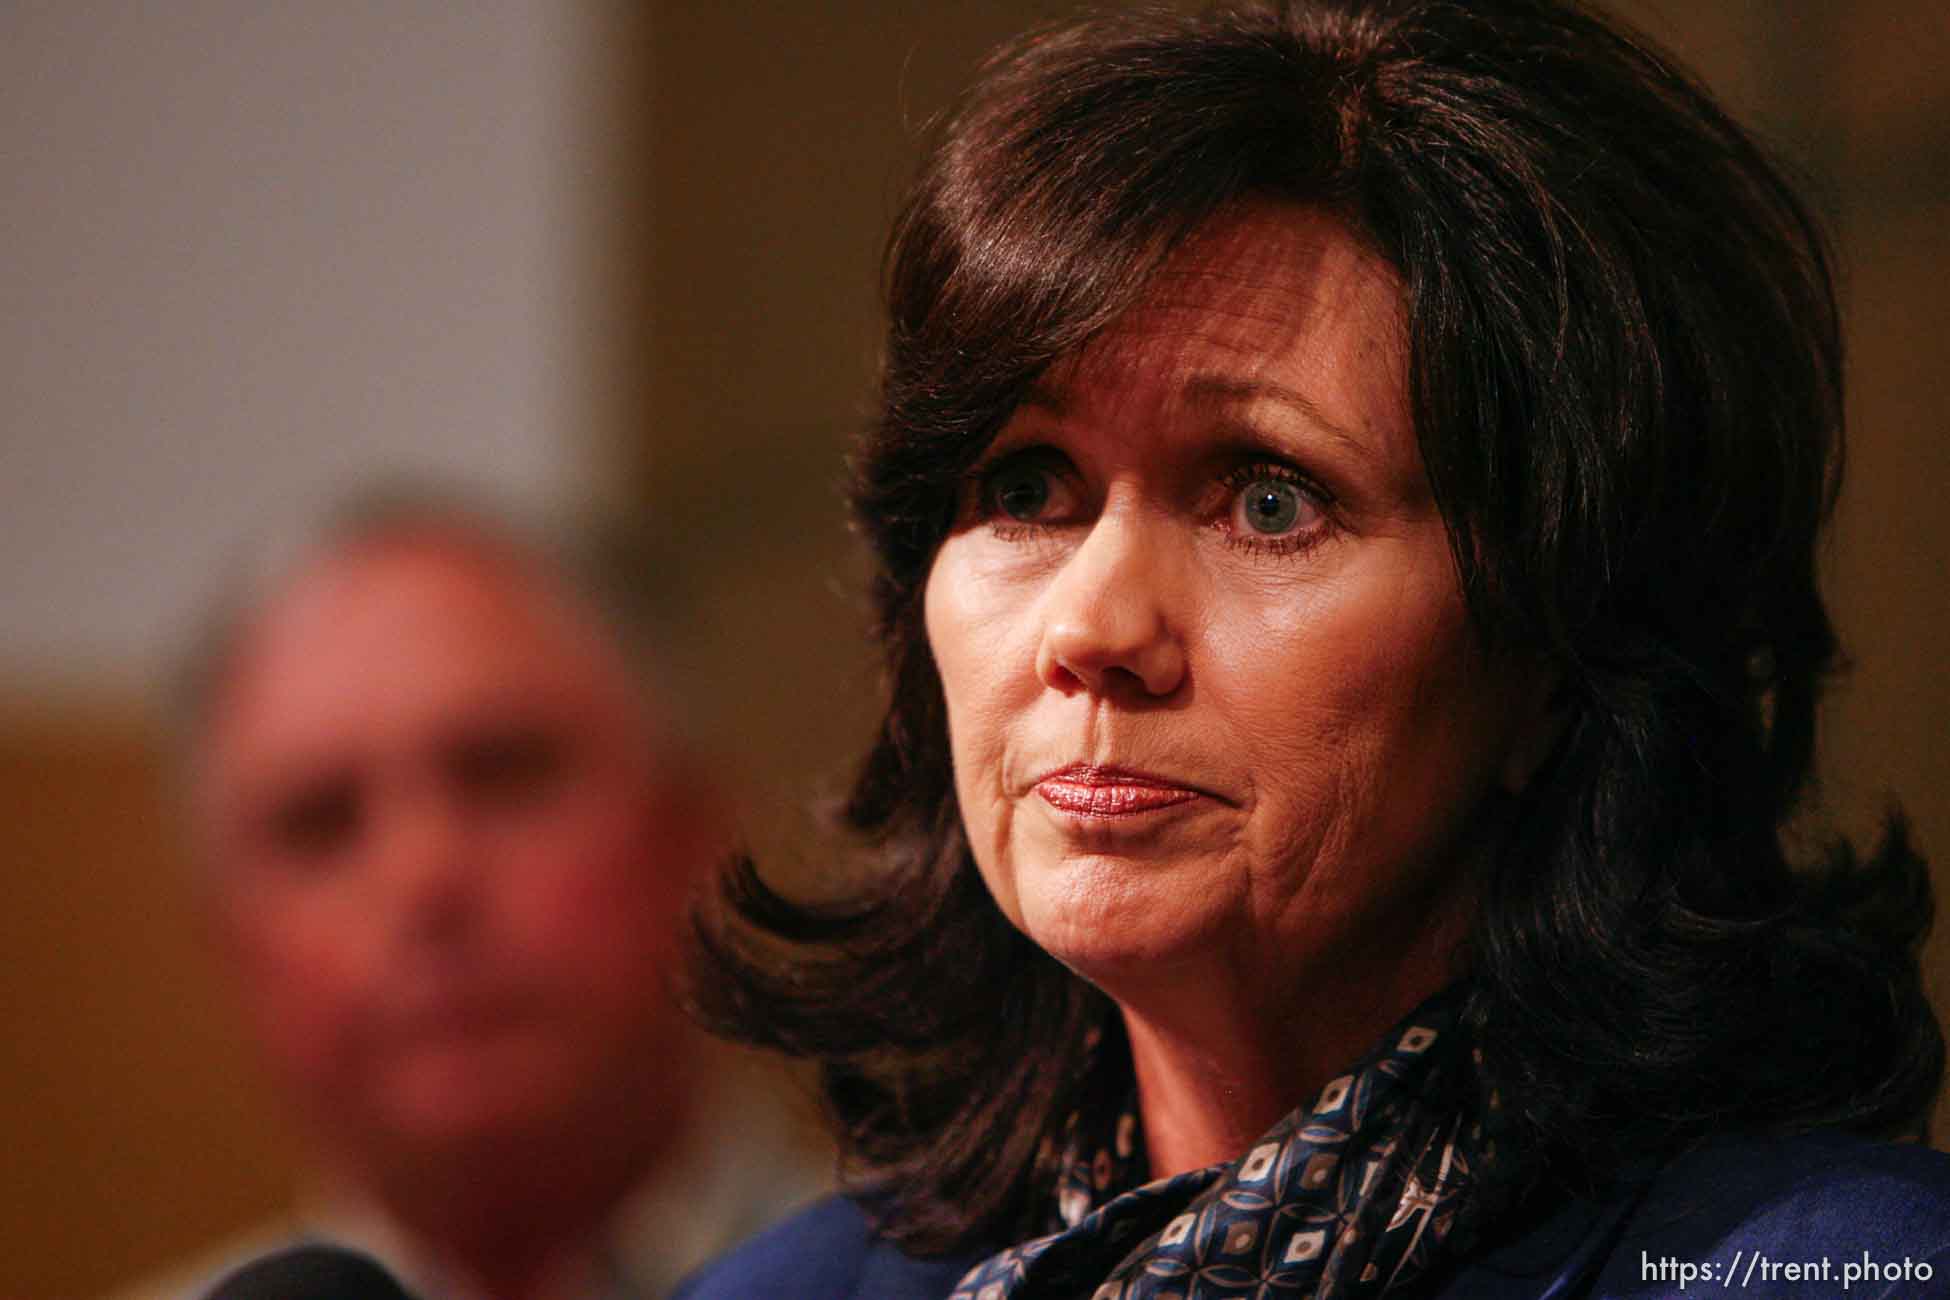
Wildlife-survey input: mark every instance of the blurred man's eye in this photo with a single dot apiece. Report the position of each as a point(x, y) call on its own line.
point(507, 767)
point(317, 821)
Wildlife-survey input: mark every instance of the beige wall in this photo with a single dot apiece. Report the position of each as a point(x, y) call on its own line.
point(253, 252)
point(134, 1125)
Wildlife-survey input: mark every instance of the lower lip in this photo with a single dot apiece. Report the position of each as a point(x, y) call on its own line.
point(1081, 799)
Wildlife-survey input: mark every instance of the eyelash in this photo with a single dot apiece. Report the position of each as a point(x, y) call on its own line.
point(984, 482)
point(1237, 480)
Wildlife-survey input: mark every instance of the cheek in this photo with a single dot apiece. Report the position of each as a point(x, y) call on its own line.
point(987, 680)
point(951, 618)
point(1292, 678)
point(308, 973)
point(591, 901)
point(1356, 712)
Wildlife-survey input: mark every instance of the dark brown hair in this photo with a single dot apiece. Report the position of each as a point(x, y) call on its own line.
point(1625, 373)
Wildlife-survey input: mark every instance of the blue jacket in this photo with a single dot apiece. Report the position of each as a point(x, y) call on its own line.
point(1821, 1215)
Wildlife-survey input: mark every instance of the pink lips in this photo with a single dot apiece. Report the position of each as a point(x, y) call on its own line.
point(1088, 791)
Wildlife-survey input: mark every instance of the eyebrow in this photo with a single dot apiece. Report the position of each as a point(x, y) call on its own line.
point(1045, 396)
point(1212, 389)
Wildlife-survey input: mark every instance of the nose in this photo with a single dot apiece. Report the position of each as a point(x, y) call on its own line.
point(431, 878)
point(1107, 628)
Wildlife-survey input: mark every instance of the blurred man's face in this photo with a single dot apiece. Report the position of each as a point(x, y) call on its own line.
point(447, 861)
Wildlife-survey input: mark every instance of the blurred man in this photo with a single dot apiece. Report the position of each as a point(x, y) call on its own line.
point(447, 837)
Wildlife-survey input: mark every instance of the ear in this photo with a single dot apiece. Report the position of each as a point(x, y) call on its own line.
point(1543, 706)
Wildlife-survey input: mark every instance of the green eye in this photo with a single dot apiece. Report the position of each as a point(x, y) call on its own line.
point(1021, 493)
point(1270, 506)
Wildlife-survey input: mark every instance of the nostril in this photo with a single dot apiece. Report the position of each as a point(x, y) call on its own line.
point(1075, 657)
point(1063, 677)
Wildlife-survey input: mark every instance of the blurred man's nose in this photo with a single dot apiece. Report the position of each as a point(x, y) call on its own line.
point(428, 860)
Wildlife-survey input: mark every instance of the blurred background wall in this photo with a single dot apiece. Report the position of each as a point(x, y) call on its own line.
point(595, 257)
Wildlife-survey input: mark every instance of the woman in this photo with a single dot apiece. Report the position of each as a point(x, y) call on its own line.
point(1345, 498)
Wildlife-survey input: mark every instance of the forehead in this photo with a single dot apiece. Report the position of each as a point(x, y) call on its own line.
point(1270, 300)
point(396, 632)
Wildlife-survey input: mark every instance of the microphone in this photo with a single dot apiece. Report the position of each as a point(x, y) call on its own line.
point(311, 1272)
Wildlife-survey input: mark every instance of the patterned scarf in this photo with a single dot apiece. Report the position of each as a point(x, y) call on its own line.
point(1368, 1191)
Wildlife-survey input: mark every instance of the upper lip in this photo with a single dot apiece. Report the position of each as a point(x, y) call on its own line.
point(1116, 774)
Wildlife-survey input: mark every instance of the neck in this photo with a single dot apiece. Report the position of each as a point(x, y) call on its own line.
point(525, 1216)
point(1207, 1094)
point(563, 1269)
point(1221, 1057)
point(1198, 1106)
point(528, 1230)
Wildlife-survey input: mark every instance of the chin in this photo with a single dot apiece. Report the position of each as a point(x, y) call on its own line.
point(1114, 921)
point(457, 1100)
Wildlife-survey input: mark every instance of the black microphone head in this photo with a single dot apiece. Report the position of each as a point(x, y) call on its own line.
point(313, 1272)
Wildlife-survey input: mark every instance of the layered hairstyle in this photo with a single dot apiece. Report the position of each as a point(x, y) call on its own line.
point(1625, 371)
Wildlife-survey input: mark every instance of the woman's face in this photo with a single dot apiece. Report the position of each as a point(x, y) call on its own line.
point(1213, 700)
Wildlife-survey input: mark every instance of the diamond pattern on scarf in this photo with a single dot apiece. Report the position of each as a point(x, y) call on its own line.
point(1367, 1190)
